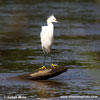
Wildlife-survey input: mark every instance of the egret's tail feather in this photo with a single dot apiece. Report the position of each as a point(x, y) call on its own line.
point(46, 50)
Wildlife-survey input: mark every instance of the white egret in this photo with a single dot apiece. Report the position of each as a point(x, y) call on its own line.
point(47, 35)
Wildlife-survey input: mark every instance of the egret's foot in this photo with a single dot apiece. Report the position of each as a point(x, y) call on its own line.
point(42, 68)
point(53, 66)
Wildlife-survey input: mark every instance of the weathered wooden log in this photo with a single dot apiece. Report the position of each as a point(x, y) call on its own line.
point(43, 74)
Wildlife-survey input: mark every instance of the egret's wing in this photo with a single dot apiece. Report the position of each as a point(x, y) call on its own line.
point(46, 32)
point(46, 37)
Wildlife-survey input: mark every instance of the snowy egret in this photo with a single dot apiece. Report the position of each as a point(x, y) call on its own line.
point(47, 36)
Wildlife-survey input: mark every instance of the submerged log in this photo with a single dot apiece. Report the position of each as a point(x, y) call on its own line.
point(43, 74)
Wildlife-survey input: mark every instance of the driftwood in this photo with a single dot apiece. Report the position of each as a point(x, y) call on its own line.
point(43, 74)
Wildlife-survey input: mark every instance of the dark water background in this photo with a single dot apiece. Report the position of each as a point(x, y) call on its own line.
point(76, 45)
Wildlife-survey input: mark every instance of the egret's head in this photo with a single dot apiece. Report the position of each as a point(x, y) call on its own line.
point(52, 19)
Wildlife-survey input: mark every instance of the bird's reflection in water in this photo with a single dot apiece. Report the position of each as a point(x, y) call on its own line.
point(46, 88)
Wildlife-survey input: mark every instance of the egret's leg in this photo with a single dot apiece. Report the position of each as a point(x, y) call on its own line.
point(44, 59)
point(51, 58)
point(43, 68)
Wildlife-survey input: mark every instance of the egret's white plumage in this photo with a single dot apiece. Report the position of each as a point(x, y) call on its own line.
point(47, 34)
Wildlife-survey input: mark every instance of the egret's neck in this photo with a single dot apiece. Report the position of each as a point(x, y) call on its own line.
point(50, 24)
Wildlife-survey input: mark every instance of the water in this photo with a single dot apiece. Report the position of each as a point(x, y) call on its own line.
point(76, 45)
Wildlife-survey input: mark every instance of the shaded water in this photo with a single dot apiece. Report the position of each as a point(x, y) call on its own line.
point(76, 45)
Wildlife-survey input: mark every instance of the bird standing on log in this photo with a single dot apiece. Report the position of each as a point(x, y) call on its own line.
point(47, 35)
